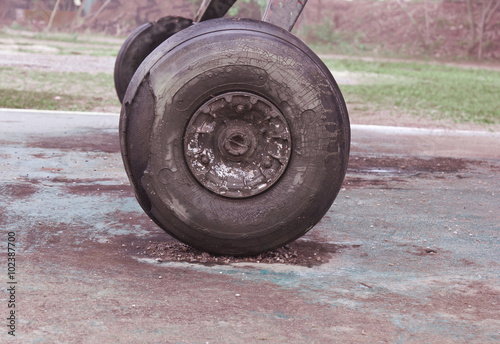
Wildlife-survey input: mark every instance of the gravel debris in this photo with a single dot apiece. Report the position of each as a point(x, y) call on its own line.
point(297, 253)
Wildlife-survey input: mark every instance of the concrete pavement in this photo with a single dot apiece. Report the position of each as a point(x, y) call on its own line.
point(408, 253)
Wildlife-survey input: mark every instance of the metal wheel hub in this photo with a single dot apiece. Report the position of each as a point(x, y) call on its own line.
point(237, 144)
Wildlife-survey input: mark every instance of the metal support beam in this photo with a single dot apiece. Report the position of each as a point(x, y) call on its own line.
point(212, 9)
point(284, 13)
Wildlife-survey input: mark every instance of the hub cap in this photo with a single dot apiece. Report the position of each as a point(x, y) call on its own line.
point(237, 144)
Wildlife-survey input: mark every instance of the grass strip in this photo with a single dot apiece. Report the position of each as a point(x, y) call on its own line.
point(16, 99)
point(42, 100)
point(443, 92)
point(45, 90)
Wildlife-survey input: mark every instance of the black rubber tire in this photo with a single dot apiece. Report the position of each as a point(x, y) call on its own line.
point(212, 58)
point(139, 44)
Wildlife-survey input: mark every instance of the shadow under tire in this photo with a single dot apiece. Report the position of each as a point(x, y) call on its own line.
point(235, 136)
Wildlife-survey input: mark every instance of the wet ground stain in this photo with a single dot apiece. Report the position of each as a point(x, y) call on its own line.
point(409, 165)
point(18, 190)
point(388, 171)
point(83, 189)
point(358, 182)
point(92, 142)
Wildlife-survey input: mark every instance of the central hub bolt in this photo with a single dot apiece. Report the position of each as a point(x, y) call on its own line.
point(240, 108)
point(204, 159)
point(236, 144)
point(267, 162)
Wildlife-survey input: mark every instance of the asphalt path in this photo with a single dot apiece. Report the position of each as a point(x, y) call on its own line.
point(408, 253)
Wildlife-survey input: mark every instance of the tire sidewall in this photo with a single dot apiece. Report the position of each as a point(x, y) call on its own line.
point(263, 63)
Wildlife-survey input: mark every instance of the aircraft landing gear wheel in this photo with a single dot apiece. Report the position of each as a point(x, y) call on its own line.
point(235, 136)
point(139, 44)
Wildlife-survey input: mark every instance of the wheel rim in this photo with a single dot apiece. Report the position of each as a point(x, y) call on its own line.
point(237, 144)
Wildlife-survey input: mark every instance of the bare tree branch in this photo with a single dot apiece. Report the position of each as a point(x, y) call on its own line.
point(415, 24)
point(52, 15)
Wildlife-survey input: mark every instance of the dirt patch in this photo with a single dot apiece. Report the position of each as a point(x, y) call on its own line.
point(424, 251)
point(475, 300)
point(385, 171)
point(470, 302)
point(3, 217)
point(98, 189)
point(408, 165)
point(18, 190)
point(7, 143)
point(47, 235)
point(31, 180)
point(40, 156)
point(63, 180)
point(95, 142)
point(357, 182)
point(300, 252)
point(123, 219)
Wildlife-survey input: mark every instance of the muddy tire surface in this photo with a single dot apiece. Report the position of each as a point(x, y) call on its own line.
point(235, 136)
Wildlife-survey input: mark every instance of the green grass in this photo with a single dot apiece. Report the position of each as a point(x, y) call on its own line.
point(65, 37)
point(71, 50)
point(91, 51)
point(33, 89)
point(65, 43)
point(422, 89)
point(41, 100)
point(16, 99)
point(460, 94)
point(71, 38)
